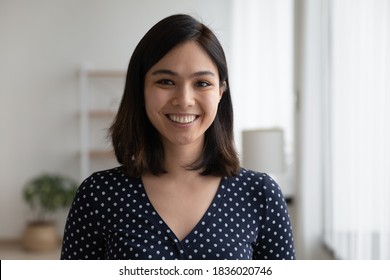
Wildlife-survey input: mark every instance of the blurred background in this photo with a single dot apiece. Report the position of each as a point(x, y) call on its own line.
point(317, 72)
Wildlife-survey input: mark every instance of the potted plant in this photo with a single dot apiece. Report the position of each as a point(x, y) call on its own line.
point(46, 194)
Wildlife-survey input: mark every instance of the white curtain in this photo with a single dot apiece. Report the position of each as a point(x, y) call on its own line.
point(343, 122)
point(357, 129)
point(261, 71)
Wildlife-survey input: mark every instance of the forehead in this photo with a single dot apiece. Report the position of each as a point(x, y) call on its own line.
point(187, 57)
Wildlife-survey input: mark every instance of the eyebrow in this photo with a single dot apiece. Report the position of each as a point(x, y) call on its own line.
point(173, 73)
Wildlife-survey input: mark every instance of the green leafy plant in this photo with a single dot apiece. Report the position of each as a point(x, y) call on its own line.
point(47, 193)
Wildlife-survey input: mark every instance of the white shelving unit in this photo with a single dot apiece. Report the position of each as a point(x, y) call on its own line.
point(100, 94)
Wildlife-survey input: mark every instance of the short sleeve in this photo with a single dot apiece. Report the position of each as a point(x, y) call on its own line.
point(275, 240)
point(83, 236)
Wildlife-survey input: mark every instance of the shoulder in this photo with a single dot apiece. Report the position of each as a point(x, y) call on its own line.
point(247, 176)
point(107, 180)
point(260, 183)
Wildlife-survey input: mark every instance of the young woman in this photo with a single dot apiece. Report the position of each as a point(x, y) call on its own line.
point(180, 192)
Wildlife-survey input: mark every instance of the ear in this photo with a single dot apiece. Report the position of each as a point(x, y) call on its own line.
point(222, 89)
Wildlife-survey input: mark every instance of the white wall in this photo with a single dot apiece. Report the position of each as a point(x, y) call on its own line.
point(43, 44)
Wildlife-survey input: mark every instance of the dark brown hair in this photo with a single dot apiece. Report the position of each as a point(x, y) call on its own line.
point(137, 144)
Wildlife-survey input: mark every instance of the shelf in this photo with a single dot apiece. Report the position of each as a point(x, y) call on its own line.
point(100, 89)
point(106, 73)
point(101, 113)
point(101, 153)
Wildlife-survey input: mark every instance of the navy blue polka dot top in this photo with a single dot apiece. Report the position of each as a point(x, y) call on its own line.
point(112, 218)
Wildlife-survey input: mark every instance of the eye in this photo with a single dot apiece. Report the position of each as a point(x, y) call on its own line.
point(165, 82)
point(202, 84)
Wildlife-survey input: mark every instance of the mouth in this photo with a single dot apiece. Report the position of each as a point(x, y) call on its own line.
point(182, 119)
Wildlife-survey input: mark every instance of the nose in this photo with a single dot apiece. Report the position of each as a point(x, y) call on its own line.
point(184, 97)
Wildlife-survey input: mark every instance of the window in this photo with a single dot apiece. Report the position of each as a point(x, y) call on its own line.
point(357, 189)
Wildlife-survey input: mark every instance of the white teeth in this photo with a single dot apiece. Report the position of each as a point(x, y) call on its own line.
point(182, 119)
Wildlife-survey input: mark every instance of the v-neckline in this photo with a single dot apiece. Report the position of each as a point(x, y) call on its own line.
point(213, 206)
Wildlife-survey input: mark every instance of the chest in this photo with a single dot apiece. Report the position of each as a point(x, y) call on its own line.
point(137, 229)
point(181, 207)
point(220, 234)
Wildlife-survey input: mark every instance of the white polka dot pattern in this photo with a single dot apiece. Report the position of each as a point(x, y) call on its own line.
point(112, 218)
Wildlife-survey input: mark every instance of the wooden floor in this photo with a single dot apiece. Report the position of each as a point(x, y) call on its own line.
point(12, 250)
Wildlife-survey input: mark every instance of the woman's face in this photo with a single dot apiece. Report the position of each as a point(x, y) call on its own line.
point(182, 92)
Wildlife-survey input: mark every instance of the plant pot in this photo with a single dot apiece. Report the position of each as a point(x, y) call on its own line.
point(40, 236)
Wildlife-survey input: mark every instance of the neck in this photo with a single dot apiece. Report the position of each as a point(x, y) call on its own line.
point(177, 158)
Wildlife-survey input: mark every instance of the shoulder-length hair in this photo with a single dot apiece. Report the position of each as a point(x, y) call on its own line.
point(137, 144)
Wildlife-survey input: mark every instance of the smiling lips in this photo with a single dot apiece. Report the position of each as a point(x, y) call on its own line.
point(182, 119)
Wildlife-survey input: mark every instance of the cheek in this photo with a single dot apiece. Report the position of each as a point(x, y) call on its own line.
point(155, 97)
point(211, 104)
point(152, 116)
point(154, 104)
point(150, 99)
point(149, 105)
